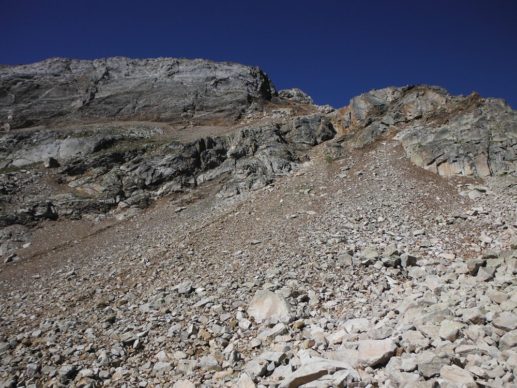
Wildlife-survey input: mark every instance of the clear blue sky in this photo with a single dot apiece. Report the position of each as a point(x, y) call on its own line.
point(331, 49)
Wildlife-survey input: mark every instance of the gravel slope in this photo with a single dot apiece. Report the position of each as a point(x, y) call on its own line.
point(387, 275)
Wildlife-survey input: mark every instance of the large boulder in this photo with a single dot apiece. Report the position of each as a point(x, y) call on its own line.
point(295, 95)
point(269, 306)
point(376, 352)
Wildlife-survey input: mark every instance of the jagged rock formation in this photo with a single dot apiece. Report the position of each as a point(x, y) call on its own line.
point(295, 94)
point(449, 135)
point(164, 89)
point(355, 268)
point(109, 139)
point(99, 132)
point(105, 148)
point(102, 169)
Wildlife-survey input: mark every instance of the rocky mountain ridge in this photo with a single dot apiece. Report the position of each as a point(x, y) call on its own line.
point(449, 135)
point(181, 223)
point(62, 90)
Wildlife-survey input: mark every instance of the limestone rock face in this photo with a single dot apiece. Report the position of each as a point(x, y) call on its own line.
point(449, 135)
point(107, 165)
point(161, 89)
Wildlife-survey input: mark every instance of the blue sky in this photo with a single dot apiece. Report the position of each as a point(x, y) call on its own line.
point(331, 49)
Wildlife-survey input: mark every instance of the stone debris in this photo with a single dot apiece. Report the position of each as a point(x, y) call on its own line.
point(449, 330)
point(305, 246)
point(314, 369)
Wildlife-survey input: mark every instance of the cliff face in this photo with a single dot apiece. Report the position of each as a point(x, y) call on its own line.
point(99, 136)
point(448, 135)
point(165, 89)
point(117, 133)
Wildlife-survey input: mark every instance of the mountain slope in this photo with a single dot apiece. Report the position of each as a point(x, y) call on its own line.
point(285, 244)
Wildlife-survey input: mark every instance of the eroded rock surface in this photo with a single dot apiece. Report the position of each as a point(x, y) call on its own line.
point(449, 135)
point(164, 89)
point(104, 168)
point(274, 253)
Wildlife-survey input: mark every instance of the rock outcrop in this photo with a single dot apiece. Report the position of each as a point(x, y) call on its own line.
point(449, 135)
point(108, 133)
point(93, 137)
point(295, 94)
point(104, 168)
point(163, 89)
point(127, 157)
point(356, 268)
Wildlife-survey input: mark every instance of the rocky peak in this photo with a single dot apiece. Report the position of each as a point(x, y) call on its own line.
point(61, 90)
point(449, 135)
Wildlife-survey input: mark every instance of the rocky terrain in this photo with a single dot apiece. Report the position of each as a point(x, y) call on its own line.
point(181, 223)
point(163, 89)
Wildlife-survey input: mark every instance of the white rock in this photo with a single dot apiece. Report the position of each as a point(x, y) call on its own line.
point(485, 274)
point(245, 382)
point(185, 287)
point(397, 375)
point(497, 296)
point(357, 325)
point(184, 384)
point(209, 363)
point(430, 364)
point(477, 371)
point(162, 367)
point(506, 321)
point(255, 343)
point(281, 372)
point(455, 375)
point(349, 356)
point(449, 330)
point(509, 340)
point(376, 353)
point(337, 337)
point(473, 315)
point(317, 368)
point(413, 340)
point(278, 329)
point(370, 253)
point(275, 357)
point(408, 364)
point(268, 306)
point(256, 368)
point(244, 324)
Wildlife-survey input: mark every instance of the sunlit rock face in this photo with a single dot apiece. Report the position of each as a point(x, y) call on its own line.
point(449, 135)
point(162, 89)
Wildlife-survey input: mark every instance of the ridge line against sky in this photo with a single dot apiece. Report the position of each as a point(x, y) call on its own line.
point(333, 50)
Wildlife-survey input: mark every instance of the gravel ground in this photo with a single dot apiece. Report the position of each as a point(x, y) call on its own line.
point(358, 271)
